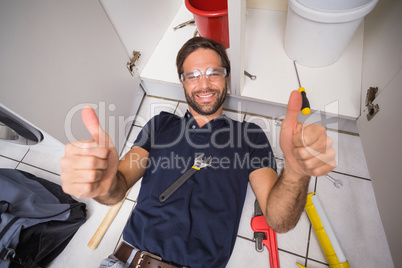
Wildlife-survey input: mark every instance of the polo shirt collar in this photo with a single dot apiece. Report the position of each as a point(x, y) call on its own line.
point(216, 122)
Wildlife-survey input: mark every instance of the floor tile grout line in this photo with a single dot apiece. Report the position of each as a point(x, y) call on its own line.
point(304, 257)
point(135, 125)
point(118, 241)
point(310, 227)
point(139, 106)
point(292, 253)
point(308, 244)
point(282, 250)
point(318, 261)
point(130, 199)
point(245, 238)
point(351, 175)
point(9, 158)
point(315, 184)
point(127, 138)
point(48, 171)
point(21, 161)
point(175, 109)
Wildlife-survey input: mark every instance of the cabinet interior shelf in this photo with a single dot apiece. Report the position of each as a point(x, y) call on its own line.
point(334, 89)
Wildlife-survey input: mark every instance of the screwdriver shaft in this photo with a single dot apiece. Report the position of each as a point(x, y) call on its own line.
point(297, 73)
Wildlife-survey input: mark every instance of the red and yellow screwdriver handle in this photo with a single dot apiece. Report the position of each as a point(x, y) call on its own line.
point(305, 109)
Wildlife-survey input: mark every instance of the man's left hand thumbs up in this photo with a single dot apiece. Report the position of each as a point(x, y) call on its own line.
point(306, 147)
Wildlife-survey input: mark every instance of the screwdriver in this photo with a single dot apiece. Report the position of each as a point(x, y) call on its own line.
point(305, 109)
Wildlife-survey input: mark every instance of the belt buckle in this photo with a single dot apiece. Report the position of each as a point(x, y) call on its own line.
point(146, 253)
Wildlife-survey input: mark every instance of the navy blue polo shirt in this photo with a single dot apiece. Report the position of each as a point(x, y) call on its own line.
point(198, 224)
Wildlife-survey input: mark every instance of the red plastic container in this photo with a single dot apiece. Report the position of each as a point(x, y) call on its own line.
point(211, 18)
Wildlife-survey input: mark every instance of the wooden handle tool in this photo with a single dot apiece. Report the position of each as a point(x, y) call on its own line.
point(105, 224)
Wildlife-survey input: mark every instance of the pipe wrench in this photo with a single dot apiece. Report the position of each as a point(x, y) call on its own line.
point(199, 163)
point(263, 234)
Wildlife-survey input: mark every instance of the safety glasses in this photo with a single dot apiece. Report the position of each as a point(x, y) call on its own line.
point(212, 74)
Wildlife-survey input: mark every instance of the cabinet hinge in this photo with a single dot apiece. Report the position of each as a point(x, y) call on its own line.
point(372, 108)
point(133, 61)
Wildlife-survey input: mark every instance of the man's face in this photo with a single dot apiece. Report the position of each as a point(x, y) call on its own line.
point(204, 97)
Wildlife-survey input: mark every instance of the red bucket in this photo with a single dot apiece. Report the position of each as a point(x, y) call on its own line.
point(211, 18)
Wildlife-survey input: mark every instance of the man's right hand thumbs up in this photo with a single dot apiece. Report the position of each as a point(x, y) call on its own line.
point(89, 166)
point(91, 122)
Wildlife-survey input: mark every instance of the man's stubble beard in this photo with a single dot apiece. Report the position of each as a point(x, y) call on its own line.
point(201, 109)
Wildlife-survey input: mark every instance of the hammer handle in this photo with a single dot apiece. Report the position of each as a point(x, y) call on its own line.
point(105, 224)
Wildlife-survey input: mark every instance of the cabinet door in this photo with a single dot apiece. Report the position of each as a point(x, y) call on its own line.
point(382, 144)
point(56, 57)
point(381, 136)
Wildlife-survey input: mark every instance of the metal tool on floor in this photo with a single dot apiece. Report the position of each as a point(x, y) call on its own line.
point(264, 235)
point(181, 25)
point(251, 76)
point(325, 234)
point(306, 104)
point(337, 183)
point(199, 163)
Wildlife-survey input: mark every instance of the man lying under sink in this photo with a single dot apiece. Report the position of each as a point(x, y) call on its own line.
point(189, 217)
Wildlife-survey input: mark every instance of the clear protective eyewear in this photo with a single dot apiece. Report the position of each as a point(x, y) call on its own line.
point(213, 75)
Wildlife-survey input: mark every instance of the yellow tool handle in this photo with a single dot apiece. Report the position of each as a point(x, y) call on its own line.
point(323, 235)
point(305, 109)
point(305, 104)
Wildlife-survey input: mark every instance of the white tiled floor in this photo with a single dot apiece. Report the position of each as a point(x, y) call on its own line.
point(351, 209)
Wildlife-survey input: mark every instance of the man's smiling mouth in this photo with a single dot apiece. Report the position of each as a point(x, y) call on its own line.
point(206, 96)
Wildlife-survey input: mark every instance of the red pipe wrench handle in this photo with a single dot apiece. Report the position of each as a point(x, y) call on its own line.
point(258, 224)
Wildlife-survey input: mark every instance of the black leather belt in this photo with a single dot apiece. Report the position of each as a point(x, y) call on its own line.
point(142, 259)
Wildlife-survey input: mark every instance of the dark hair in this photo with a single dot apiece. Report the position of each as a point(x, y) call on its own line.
point(201, 42)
